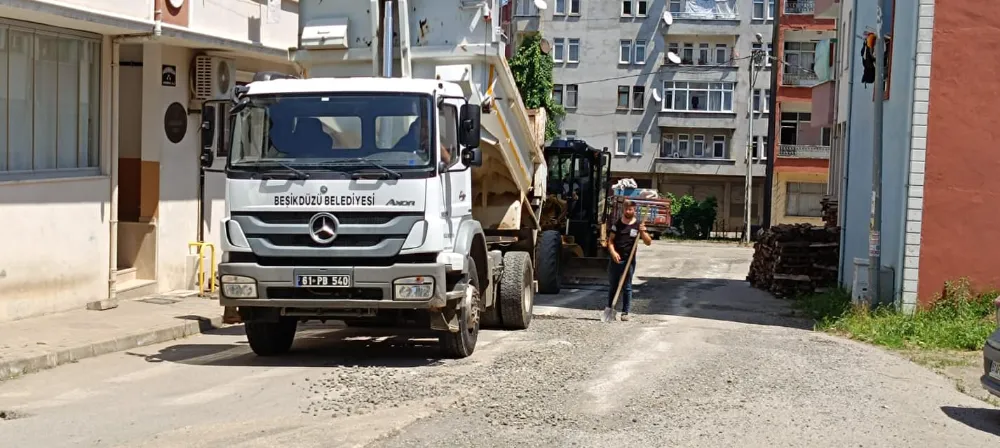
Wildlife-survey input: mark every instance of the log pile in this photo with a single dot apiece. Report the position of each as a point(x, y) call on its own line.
point(829, 211)
point(794, 259)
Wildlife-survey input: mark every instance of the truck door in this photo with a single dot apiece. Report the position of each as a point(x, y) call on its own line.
point(213, 177)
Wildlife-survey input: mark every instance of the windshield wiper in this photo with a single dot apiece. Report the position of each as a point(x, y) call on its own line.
point(296, 174)
point(394, 175)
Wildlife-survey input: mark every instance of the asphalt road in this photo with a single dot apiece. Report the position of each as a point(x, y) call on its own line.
point(707, 362)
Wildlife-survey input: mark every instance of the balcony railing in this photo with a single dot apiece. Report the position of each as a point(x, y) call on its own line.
point(804, 151)
point(800, 6)
point(721, 11)
point(799, 79)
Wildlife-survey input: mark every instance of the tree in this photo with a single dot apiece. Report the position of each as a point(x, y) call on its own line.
point(533, 75)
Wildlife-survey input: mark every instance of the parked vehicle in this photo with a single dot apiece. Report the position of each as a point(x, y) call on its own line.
point(991, 359)
point(649, 204)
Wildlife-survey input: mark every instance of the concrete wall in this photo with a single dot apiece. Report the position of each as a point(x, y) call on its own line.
point(856, 204)
point(779, 196)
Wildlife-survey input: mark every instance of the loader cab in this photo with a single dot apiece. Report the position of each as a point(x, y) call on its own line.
point(580, 176)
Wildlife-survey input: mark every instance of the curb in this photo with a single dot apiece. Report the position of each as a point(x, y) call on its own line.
point(12, 368)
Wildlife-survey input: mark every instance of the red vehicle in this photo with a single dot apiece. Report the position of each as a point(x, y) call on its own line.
point(650, 206)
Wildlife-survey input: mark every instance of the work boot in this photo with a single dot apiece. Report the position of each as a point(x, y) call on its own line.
point(625, 317)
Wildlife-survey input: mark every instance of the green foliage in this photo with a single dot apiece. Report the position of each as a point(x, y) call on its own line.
point(960, 319)
point(533, 75)
point(694, 219)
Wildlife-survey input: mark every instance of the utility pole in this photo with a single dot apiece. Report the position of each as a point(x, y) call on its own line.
point(755, 56)
point(875, 222)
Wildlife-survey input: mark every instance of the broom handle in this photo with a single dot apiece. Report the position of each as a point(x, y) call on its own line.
point(621, 280)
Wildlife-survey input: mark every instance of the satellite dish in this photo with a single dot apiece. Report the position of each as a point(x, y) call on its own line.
point(672, 57)
point(656, 95)
point(544, 46)
point(759, 37)
point(667, 17)
point(540, 4)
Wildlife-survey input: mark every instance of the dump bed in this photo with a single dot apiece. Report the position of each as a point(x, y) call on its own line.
point(449, 40)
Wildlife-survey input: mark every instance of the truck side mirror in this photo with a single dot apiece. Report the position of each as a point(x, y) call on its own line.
point(208, 117)
point(468, 130)
point(472, 157)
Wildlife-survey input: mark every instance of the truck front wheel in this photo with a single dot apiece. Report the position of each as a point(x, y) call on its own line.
point(271, 338)
point(463, 343)
point(548, 259)
point(517, 292)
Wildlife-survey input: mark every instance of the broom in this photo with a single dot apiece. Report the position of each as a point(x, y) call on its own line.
point(609, 314)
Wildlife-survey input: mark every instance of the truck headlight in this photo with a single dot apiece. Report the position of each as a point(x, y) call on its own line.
point(413, 288)
point(238, 287)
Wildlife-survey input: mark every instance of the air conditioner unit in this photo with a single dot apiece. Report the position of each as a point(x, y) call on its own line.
point(214, 78)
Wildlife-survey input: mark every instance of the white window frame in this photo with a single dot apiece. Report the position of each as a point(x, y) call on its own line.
point(571, 91)
point(724, 49)
point(572, 43)
point(762, 100)
point(525, 9)
point(558, 49)
point(639, 46)
point(86, 144)
point(704, 54)
point(770, 9)
point(763, 10)
point(755, 149)
point(767, 53)
point(676, 6)
point(627, 92)
point(799, 66)
point(624, 51)
point(574, 7)
point(645, 6)
point(795, 196)
point(671, 88)
point(631, 8)
point(558, 9)
point(561, 89)
point(635, 144)
point(698, 140)
point(668, 146)
point(715, 146)
point(683, 145)
point(621, 143)
point(685, 48)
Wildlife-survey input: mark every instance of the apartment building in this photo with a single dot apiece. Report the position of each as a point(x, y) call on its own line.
point(803, 118)
point(681, 128)
point(100, 111)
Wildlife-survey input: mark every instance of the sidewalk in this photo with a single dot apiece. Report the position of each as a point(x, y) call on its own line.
point(44, 342)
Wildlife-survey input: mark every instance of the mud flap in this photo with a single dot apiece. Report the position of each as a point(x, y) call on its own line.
point(445, 319)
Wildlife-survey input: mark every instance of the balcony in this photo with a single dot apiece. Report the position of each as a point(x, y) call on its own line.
point(800, 7)
point(799, 79)
point(804, 151)
point(721, 18)
point(827, 9)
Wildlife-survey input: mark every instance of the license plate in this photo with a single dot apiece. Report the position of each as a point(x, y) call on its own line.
point(995, 370)
point(323, 281)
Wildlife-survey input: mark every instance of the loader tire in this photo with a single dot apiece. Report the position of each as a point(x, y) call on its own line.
point(517, 292)
point(463, 343)
point(549, 260)
point(271, 338)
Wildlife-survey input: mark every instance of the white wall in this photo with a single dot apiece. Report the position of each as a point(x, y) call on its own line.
point(54, 240)
point(140, 9)
point(247, 20)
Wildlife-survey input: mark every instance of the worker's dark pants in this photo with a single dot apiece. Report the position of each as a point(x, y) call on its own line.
point(615, 272)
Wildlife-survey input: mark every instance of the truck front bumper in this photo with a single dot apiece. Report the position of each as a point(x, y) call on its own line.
point(372, 287)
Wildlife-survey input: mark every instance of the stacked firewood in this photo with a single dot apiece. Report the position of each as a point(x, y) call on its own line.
point(829, 211)
point(794, 259)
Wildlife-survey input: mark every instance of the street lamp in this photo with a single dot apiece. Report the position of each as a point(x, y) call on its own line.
point(755, 66)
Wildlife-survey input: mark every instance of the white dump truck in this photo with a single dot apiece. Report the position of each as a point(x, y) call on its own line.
point(396, 183)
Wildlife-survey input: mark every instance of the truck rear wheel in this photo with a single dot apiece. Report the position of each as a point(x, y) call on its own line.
point(463, 343)
point(517, 292)
point(271, 338)
point(549, 258)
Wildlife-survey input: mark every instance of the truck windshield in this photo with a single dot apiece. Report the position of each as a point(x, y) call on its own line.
point(343, 130)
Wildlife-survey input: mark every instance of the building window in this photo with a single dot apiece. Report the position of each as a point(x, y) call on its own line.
point(721, 54)
point(687, 57)
point(574, 51)
point(719, 146)
point(683, 145)
point(792, 124)
point(672, 47)
point(698, 146)
point(767, 53)
point(754, 149)
point(703, 52)
point(558, 49)
point(668, 148)
point(559, 10)
point(525, 9)
point(621, 143)
point(49, 103)
point(572, 95)
point(675, 6)
point(766, 145)
point(636, 148)
point(759, 9)
point(761, 103)
point(623, 93)
point(638, 97)
point(800, 58)
point(803, 199)
point(626, 8)
point(697, 96)
point(641, 8)
point(557, 94)
point(624, 51)
point(824, 136)
point(640, 52)
point(574, 7)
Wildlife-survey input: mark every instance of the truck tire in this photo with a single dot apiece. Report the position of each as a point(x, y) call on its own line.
point(517, 292)
point(463, 343)
point(549, 259)
point(271, 338)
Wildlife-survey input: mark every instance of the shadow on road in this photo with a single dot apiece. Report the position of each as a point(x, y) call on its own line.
point(985, 420)
point(316, 345)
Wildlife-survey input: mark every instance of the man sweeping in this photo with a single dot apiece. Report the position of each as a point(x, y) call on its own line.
point(621, 239)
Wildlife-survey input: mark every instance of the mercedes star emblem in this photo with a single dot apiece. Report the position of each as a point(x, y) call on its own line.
point(322, 189)
point(323, 228)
